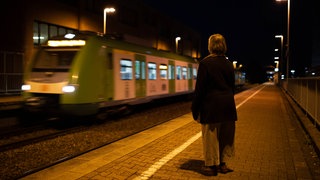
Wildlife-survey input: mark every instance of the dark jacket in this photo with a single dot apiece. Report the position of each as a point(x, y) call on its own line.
point(214, 92)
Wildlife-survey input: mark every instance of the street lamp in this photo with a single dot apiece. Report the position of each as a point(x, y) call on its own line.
point(281, 53)
point(234, 64)
point(177, 41)
point(105, 11)
point(288, 34)
point(277, 66)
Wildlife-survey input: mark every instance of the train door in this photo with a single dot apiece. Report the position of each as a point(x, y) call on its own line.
point(109, 77)
point(140, 75)
point(171, 75)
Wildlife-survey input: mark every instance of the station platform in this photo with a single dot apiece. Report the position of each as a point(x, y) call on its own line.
point(267, 147)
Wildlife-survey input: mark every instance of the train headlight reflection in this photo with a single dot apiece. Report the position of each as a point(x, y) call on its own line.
point(25, 87)
point(68, 89)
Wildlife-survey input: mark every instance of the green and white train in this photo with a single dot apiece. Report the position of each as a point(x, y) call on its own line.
point(80, 74)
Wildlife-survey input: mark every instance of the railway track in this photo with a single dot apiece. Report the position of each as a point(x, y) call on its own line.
point(37, 149)
point(28, 136)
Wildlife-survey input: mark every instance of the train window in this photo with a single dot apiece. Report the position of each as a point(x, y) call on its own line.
point(163, 71)
point(189, 72)
point(54, 60)
point(143, 70)
point(194, 73)
point(140, 70)
point(137, 69)
point(126, 69)
point(171, 72)
point(178, 72)
point(152, 71)
point(184, 72)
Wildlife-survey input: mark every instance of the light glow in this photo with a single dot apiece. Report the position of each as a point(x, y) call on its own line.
point(69, 36)
point(56, 43)
point(25, 87)
point(105, 12)
point(68, 89)
point(36, 37)
point(163, 67)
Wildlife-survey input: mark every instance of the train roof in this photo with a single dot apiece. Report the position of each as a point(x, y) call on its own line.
point(118, 43)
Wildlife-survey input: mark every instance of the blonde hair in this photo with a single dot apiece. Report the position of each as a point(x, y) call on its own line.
point(217, 44)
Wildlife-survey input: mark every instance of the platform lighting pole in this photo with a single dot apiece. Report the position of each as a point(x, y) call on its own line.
point(177, 43)
point(234, 64)
point(281, 50)
point(288, 34)
point(105, 11)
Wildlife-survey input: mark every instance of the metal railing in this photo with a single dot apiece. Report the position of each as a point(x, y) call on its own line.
point(11, 72)
point(305, 92)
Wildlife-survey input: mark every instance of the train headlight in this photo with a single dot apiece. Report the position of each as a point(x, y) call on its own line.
point(25, 87)
point(68, 89)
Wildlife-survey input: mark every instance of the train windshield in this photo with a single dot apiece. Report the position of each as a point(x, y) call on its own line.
point(54, 60)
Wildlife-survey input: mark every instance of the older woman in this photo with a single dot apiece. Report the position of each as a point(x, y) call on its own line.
point(214, 107)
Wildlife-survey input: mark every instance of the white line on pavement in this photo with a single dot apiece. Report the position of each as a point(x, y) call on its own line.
point(157, 165)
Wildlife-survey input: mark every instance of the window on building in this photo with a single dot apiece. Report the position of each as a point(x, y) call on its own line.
point(42, 31)
point(53, 31)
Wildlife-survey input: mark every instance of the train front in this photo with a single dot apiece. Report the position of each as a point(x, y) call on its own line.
point(48, 75)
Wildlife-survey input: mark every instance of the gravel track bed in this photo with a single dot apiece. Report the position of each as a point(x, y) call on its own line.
point(31, 158)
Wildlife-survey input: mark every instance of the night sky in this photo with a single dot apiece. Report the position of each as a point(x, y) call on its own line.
point(248, 26)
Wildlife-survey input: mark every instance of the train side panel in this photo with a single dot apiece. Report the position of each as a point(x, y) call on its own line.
point(157, 84)
point(124, 84)
point(181, 81)
point(140, 75)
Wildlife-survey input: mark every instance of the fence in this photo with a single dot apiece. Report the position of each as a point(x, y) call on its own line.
point(306, 92)
point(11, 72)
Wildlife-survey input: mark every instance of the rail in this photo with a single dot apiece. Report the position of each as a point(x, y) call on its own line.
point(306, 93)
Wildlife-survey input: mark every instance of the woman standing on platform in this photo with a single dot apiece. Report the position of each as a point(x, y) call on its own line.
point(214, 107)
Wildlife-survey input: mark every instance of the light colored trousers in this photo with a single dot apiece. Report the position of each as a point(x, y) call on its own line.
point(218, 142)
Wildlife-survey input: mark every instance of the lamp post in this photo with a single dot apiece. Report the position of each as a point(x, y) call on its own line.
point(281, 52)
point(105, 11)
point(234, 64)
point(177, 41)
point(288, 34)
